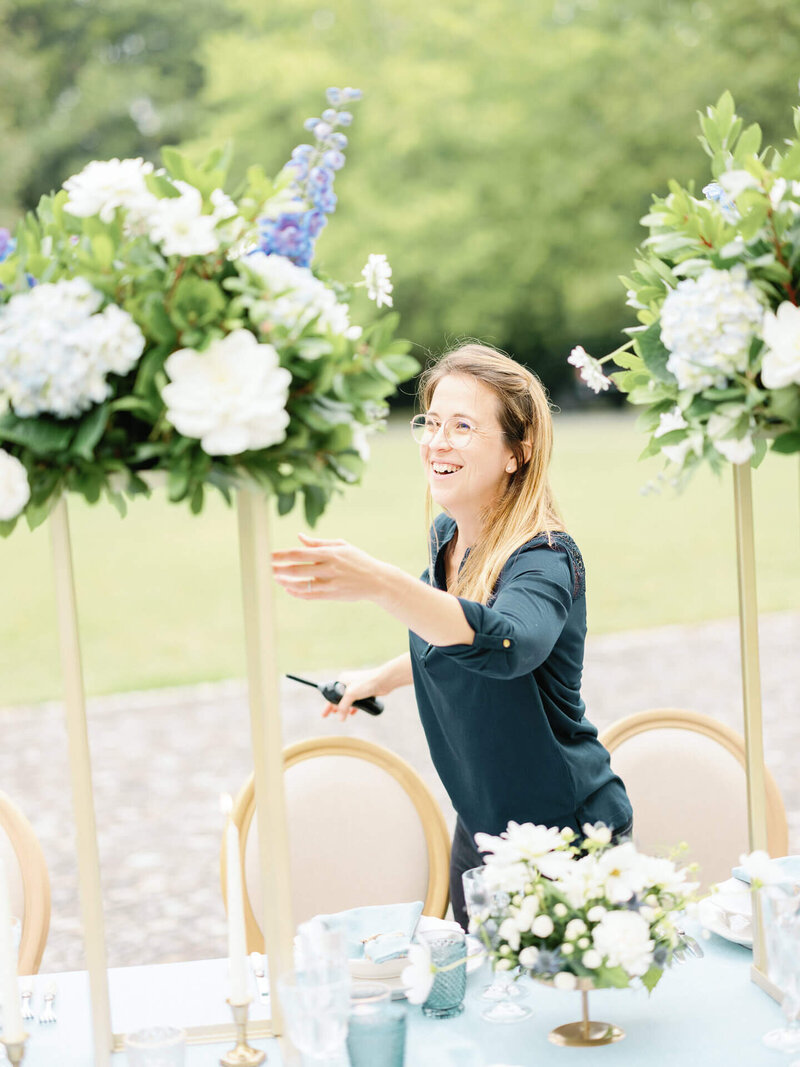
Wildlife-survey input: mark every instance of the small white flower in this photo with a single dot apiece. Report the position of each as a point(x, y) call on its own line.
point(575, 927)
point(591, 959)
point(620, 871)
point(527, 912)
point(542, 926)
point(780, 365)
point(735, 182)
point(296, 297)
point(678, 453)
point(595, 914)
point(761, 868)
point(565, 980)
point(103, 186)
point(669, 421)
point(600, 833)
point(179, 226)
point(583, 942)
point(560, 910)
point(529, 956)
point(502, 965)
point(15, 491)
point(377, 276)
point(590, 369)
point(736, 450)
point(508, 931)
point(567, 949)
point(232, 395)
point(417, 977)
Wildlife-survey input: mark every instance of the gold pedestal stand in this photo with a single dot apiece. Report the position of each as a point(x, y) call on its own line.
point(587, 1032)
point(15, 1050)
point(242, 1055)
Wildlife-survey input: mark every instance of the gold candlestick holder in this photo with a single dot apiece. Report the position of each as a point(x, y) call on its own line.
point(15, 1050)
point(242, 1054)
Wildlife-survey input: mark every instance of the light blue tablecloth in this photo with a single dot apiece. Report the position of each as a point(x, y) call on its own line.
point(704, 1012)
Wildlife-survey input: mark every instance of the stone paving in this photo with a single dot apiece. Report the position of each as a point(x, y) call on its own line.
point(161, 759)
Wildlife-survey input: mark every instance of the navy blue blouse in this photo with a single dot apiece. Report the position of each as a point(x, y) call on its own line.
point(503, 716)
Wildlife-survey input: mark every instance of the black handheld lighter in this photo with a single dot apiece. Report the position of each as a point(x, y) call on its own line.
point(332, 691)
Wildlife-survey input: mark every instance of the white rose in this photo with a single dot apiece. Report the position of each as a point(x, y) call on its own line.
point(15, 492)
point(179, 226)
point(565, 980)
point(542, 926)
point(232, 396)
point(623, 937)
point(529, 956)
point(591, 959)
point(780, 365)
point(103, 186)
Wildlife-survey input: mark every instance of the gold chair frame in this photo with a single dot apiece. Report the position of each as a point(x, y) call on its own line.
point(681, 719)
point(35, 885)
point(434, 826)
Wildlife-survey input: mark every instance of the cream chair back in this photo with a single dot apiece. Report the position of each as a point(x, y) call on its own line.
point(685, 775)
point(28, 883)
point(363, 829)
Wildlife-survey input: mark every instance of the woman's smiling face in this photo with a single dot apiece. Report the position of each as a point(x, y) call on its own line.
point(466, 479)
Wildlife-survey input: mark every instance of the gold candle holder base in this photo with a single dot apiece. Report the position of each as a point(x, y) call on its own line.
point(587, 1032)
point(15, 1050)
point(242, 1054)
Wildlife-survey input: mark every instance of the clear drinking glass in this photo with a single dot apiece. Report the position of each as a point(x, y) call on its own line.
point(447, 948)
point(157, 1046)
point(503, 992)
point(376, 1035)
point(316, 1004)
point(781, 914)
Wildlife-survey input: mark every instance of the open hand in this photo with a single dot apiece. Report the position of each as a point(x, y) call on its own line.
point(327, 570)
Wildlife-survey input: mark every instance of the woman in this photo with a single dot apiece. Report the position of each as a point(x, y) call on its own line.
point(498, 623)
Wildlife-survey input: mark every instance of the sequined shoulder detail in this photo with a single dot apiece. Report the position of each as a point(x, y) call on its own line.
point(563, 540)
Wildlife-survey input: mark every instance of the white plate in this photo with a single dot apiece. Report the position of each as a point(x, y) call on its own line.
point(390, 972)
point(715, 910)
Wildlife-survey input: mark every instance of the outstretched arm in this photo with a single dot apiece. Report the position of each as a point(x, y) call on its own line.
point(336, 570)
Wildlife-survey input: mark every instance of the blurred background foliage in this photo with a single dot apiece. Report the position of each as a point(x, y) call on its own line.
point(501, 159)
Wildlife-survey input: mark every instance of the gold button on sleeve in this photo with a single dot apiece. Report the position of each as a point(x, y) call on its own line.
point(506, 643)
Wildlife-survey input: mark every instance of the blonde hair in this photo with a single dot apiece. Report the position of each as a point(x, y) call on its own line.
point(526, 506)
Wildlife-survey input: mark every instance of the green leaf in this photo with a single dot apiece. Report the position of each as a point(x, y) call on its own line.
point(35, 514)
point(103, 249)
point(402, 366)
point(90, 430)
point(654, 353)
point(651, 977)
point(41, 435)
point(285, 502)
point(787, 442)
point(177, 483)
point(314, 502)
point(757, 458)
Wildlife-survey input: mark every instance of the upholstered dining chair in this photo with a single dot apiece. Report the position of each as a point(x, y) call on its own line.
point(363, 829)
point(685, 774)
point(29, 883)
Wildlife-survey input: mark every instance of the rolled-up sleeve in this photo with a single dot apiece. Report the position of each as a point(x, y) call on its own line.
point(517, 633)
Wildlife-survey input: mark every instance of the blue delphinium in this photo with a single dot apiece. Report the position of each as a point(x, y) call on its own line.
point(311, 171)
point(7, 243)
point(717, 195)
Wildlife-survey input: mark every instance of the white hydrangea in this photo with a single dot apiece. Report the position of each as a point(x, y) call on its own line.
point(104, 185)
point(708, 324)
point(15, 490)
point(232, 396)
point(623, 937)
point(56, 348)
point(297, 297)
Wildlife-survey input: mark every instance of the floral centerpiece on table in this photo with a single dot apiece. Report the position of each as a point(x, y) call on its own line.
point(601, 912)
point(715, 359)
point(150, 322)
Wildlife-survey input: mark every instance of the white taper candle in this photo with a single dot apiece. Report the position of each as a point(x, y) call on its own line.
point(237, 941)
point(13, 1030)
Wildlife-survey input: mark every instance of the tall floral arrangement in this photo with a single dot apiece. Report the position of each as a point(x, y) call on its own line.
point(150, 321)
point(714, 359)
point(604, 912)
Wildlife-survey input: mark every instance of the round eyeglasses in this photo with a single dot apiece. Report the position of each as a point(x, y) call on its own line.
point(457, 431)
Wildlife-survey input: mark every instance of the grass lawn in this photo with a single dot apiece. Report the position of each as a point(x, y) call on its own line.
point(159, 600)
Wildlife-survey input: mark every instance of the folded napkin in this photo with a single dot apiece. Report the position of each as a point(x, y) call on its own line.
point(790, 870)
point(377, 932)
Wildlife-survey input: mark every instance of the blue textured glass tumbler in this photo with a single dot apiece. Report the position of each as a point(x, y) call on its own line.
point(447, 948)
point(376, 1035)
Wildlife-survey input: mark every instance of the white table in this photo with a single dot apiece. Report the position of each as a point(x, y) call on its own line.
point(703, 1012)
